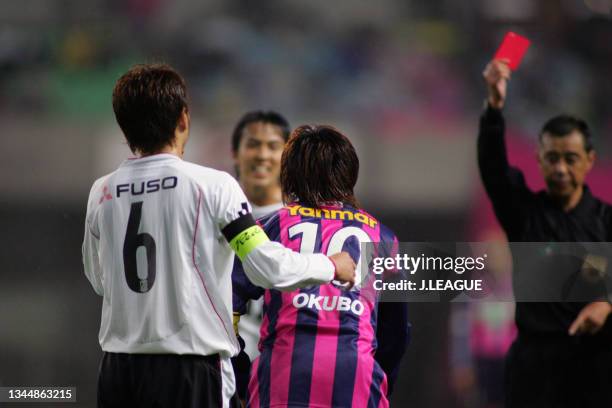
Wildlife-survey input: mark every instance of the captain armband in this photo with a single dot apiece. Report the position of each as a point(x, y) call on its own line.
point(244, 235)
point(235, 321)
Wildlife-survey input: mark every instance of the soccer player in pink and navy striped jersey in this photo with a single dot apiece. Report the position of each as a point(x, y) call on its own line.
point(323, 346)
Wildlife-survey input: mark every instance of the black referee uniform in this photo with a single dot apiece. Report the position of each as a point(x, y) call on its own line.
point(545, 366)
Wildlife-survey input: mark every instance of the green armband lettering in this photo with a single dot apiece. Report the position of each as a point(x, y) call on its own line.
point(248, 240)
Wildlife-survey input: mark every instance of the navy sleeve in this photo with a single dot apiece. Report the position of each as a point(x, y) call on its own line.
point(242, 289)
point(392, 329)
point(393, 336)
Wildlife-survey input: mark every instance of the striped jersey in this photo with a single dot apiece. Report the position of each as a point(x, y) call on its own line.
point(318, 344)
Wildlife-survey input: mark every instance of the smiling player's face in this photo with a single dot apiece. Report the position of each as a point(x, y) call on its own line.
point(259, 155)
point(564, 163)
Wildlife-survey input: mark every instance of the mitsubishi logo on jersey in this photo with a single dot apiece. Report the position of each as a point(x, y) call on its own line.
point(328, 303)
point(105, 195)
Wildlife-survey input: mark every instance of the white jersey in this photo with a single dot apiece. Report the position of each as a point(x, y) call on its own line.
point(154, 249)
point(250, 323)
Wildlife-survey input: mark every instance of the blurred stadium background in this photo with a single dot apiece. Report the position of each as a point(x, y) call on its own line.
point(401, 78)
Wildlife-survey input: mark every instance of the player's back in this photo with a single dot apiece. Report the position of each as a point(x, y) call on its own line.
point(317, 343)
point(165, 278)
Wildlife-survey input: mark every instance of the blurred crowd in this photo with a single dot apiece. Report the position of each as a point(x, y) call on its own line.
point(391, 68)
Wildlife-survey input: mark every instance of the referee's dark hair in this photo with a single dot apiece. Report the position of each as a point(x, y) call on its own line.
point(319, 166)
point(270, 117)
point(148, 101)
point(563, 125)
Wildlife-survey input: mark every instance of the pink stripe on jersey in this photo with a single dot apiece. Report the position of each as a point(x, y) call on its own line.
point(280, 363)
point(365, 352)
point(282, 351)
point(384, 402)
point(328, 228)
point(374, 233)
point(264, 330)
point(367, 290)
point(365, 358)
point(253, 387)
point(324, 358)
point(328, 326)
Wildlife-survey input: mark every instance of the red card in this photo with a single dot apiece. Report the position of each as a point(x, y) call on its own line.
point(513, 48)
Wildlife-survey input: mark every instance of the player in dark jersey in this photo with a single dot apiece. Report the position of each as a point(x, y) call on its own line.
point(323, 345)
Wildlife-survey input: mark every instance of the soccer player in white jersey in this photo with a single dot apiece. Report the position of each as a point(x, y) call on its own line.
point(257, 147)
point(160, 238)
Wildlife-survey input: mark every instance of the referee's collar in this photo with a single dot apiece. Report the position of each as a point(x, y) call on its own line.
point(586, 201)
point(149, 159)
point(584, 206)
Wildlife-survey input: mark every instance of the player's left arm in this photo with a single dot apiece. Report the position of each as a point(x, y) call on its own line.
point(91, 241)
point(393, 329)
point(392, 335)
point(243, 290)
point(269, 264)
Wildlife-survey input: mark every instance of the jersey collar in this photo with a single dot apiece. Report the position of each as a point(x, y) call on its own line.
point(149, 159)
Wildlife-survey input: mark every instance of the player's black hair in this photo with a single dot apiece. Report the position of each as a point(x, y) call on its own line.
point(271, 117)
point(563, 125)
point(319, 166)
point(148, 101)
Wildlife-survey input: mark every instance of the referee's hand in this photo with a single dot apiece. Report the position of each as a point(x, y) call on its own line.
point(496, 75)
point(591, 318)
point(345, 268)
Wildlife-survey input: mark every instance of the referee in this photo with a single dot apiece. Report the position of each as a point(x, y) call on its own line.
point(563, 354)
point(160, 238)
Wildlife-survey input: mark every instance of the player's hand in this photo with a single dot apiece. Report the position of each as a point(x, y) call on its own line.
point(497, 74)
point(591, 318)
point(345, 268)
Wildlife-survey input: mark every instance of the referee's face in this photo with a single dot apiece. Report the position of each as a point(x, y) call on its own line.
point(564, 163)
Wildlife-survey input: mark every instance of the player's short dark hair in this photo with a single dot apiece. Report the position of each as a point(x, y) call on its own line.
point(319, 166)
point(563, 125)
point(148, 101)
point(271, 117)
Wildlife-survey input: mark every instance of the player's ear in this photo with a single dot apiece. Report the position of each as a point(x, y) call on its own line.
point(184, 121)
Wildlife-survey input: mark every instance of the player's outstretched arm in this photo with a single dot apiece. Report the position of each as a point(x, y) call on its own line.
point(269, 264)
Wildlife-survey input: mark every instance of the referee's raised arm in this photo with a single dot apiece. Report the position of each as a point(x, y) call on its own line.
point(504, 184)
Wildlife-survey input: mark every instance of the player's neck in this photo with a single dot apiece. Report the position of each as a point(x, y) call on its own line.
point(262, 196)
point(168, 149)
point(570, 202)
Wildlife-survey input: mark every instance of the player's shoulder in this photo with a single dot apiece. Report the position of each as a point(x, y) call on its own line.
point(206, 177)
point(270, 218)
point(99, 186)
point(100, 181)
point(386, 233)
point(208, 173)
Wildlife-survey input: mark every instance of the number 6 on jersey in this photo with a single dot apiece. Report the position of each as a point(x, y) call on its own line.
point(134, 240)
